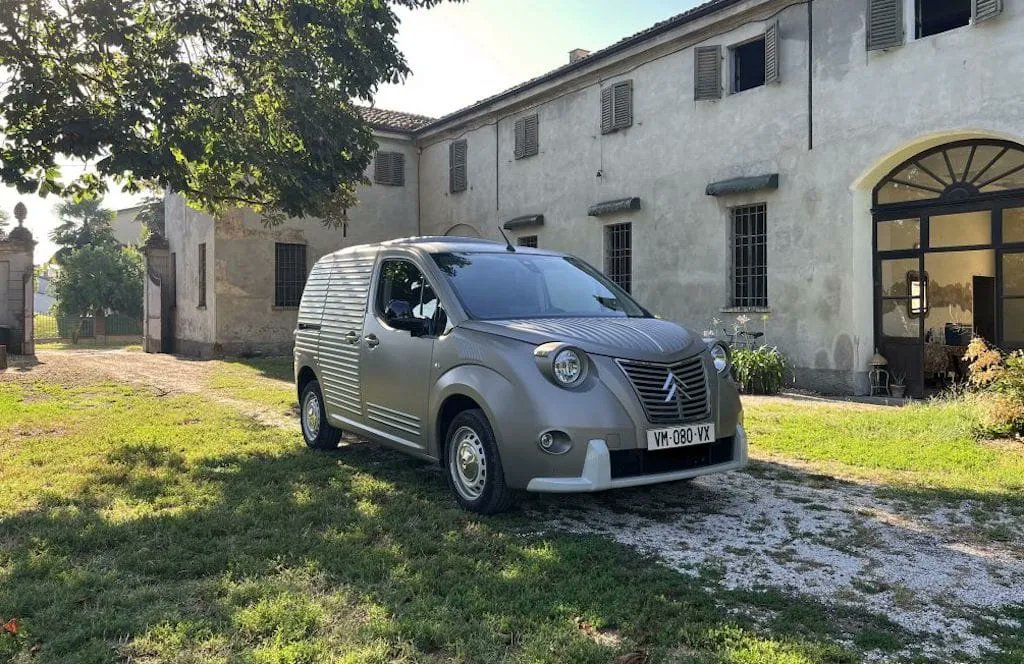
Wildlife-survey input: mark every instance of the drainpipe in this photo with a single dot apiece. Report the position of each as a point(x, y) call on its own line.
point(810, 75)
point(419, 223)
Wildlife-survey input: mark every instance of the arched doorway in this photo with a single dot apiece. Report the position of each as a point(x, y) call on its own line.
point(949, 257)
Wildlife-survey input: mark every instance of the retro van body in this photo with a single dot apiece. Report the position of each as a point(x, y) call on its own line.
point(514, 368)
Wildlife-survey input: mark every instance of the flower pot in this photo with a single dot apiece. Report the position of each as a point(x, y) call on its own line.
point(898, 390)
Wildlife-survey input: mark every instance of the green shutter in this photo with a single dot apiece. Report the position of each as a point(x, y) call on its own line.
point(982, 10)
point(884, 24)
point(457, 180)
point(622, 105)
point(382, 167)
point(771, 53)
point(519, 151)
point(397, 169)
point(606, 111)
point(707, 72)
point(531, 135)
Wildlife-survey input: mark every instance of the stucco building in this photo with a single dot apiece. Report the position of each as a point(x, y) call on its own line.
point(849, 170)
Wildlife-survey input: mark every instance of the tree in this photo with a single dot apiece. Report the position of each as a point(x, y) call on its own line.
point(228, 102)
point(96, 280)
point(83, 223)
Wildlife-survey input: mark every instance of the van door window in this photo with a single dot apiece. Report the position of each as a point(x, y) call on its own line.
point(403, 282)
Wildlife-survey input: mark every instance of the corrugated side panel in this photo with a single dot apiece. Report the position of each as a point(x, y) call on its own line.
point(311, 307)
point(342, 327)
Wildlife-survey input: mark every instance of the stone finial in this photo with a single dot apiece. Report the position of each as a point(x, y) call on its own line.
point(20, 212)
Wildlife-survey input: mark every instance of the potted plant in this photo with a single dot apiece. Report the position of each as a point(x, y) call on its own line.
point(898, 386)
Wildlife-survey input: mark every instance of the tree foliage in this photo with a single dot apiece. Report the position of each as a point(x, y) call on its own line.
point(100, 279)
point(229, 102)
point(82, 224)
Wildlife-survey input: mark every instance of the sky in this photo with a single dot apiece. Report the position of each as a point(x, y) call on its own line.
point(459, 53)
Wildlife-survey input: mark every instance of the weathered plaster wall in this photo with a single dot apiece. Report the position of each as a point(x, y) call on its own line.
point(247, 320)
point(194, 326)
point(870, 111)
point(15, 268)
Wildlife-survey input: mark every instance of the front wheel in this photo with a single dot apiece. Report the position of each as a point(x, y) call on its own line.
point(317, 433)
point(475, 473)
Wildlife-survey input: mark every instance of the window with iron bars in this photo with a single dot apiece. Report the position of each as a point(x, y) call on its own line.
point(618, 255)
point(289, 274)
point(749, 256)
point(528, 241)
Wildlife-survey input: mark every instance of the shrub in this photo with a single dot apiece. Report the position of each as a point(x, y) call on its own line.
point(999, 383)
point(759, 370)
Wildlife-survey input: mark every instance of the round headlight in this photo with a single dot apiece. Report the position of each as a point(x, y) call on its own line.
point(567, 367)
point(721, 357)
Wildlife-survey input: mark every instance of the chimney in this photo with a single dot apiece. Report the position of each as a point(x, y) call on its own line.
point(577, 54)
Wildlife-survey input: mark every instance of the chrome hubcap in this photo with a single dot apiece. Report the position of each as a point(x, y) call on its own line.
point(467, 463)
point(311, 416)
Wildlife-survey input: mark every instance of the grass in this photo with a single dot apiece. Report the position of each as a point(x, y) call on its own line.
point(265, 380)
point(141, 528)
point(930, 447)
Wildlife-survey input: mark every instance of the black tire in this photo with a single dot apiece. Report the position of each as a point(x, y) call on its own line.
point(318, 434)
point(470, 431)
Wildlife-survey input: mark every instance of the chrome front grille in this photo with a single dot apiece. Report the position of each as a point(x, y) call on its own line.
point(688, 403)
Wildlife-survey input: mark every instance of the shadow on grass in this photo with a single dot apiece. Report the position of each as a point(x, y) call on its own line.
point(277, 367)
point(301, 556)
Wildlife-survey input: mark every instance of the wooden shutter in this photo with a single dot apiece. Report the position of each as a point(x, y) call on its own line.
point(531, 135)
point(389, 168)
point(457, 180)
point(622, 105)
point(606, 111)
point(382, 167)
point(398, 169)
point(884, 24)
point(520, 143)
point(771, 53)
point(982, 10)
point(707, 74)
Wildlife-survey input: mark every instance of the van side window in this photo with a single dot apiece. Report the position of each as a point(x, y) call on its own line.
point(403, 281)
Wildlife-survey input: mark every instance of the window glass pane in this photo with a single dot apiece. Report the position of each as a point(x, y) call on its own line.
point(951, 279)
point(936, 164)
point(1013, 225)
point(982, 162)
point(894, 192)
point(1013, 320)
point(1000, 177)
point(899, 234)
point(894, 276)
point(950, 230)
point(1013, 274)
point(896, 319)
point(958, 158)
point(403, 281)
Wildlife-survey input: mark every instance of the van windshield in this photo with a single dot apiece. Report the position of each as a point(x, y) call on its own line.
point(496, 286)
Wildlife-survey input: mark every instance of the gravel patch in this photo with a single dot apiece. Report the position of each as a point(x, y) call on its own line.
point(833, 541)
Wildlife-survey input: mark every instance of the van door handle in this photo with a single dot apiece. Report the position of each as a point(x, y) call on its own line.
point(351, 338)
point(372, 341)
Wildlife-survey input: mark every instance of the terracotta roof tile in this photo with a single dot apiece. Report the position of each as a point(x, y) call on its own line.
point(380, 118)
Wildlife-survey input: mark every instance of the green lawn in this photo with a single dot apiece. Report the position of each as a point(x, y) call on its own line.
point(141, 528)
point(929, 449)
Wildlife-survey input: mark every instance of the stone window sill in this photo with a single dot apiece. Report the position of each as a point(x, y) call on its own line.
point(745, 310)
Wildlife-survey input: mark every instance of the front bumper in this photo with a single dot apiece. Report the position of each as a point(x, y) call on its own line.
point(597, 471)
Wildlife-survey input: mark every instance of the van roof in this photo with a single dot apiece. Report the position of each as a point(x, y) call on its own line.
point(434, 244)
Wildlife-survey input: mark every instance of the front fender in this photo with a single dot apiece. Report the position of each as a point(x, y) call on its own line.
point(472, 381)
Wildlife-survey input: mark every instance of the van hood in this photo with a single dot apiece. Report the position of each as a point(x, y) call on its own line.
point(643, 339)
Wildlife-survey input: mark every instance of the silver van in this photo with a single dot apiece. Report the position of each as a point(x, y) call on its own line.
point(515, 368)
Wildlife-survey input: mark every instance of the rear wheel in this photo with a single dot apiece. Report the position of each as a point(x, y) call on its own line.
point(475, 473)
point(317, 433)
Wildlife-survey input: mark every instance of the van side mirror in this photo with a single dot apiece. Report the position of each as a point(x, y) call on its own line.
point(398, 315)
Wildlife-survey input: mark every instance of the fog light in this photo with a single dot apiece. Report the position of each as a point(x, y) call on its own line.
point(555, 442)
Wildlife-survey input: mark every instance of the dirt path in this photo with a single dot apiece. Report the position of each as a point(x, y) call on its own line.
point(773, 526)
point(164, 374)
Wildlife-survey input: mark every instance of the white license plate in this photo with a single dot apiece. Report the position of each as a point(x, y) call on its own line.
point(691, 434)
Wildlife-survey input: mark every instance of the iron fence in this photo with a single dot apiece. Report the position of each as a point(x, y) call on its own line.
point(50, 326)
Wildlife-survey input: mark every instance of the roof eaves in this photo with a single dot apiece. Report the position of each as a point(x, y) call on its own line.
point(700, 11)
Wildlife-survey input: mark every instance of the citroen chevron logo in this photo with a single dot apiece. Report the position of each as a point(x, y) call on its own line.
point(671, 385)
